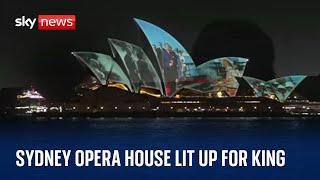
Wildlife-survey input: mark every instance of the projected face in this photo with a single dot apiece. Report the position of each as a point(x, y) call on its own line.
point(139, 67)
point(174, 61)
point(103, 67)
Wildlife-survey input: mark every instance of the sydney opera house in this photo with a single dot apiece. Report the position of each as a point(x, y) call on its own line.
point(167, 80)
point(173, 70)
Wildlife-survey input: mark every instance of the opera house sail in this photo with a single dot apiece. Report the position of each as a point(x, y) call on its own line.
point(221, 75)
point(285, 85)
point(279, 88)
point(104, 68)
point(261, 88)
point(175, 63)
point(138, 65)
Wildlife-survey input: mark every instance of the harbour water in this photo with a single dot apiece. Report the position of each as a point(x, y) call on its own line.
point(299, 137)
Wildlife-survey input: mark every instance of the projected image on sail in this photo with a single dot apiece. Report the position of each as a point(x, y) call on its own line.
point(139, 67)
point(285, 85)
point(221, 74)
point(103, 67)
point(261, 88)
point(175, 63)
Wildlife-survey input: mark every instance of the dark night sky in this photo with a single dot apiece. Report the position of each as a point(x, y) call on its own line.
point(43, 58)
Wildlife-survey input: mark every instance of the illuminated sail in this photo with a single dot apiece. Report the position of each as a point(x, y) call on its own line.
point(138, 65)
point(176, 65)
point(103, 67)
point(285, 85)
point(281, 87)
point(261, 88)
point(221, 74)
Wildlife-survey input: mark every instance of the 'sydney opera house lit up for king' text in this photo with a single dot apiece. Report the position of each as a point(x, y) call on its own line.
point(168, 80)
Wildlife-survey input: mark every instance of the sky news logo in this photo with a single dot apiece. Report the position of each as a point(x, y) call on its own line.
point(48, 22)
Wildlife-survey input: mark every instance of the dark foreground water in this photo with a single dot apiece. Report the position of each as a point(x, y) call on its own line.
point(300, 138)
